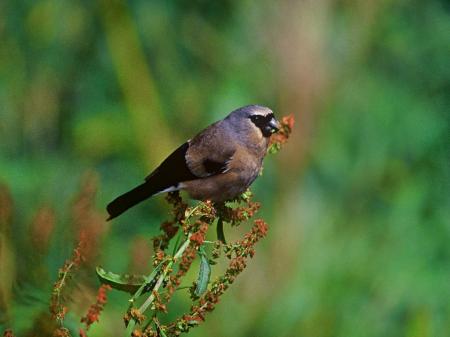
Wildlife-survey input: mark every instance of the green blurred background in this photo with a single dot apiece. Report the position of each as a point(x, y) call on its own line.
point(96, 93)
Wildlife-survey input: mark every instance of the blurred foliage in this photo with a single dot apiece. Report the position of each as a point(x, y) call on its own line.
point(358, 201)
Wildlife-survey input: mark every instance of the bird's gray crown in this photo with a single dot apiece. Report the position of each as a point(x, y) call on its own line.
point(247, 120)
point(250, 110)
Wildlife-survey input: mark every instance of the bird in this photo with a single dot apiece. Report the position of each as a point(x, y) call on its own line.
point(218, 164)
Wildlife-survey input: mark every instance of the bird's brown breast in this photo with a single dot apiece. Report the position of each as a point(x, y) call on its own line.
point(242, 170)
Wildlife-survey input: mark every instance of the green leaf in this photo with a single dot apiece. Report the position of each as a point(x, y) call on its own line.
point(247, 195)
point(126, 282)
point(274, 148)
point(204, 273)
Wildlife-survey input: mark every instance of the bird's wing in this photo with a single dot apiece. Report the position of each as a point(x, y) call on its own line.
point(205, 155)
point(172, 170)
point(210, 152)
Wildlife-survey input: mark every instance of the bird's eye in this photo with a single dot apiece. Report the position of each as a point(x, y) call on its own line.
point(256, 118)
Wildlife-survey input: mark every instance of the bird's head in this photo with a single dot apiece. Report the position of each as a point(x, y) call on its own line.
point(255, 118)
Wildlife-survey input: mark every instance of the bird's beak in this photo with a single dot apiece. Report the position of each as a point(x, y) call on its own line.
point(274, 125)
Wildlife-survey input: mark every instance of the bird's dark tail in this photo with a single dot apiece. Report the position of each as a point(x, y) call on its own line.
point(131, 198)
point(165, 178)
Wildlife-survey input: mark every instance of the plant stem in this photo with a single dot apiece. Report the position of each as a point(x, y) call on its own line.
point(160, 281)
point(192, 211)
point(158, 284)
